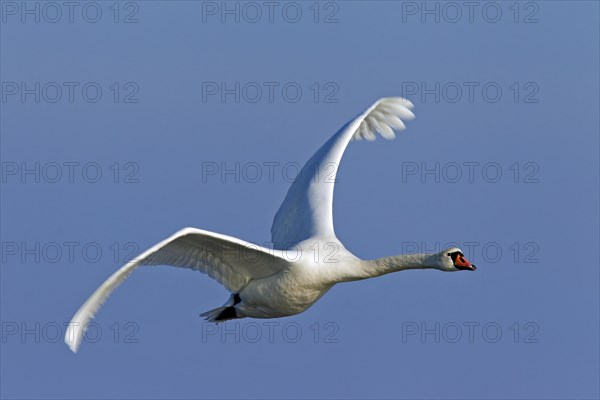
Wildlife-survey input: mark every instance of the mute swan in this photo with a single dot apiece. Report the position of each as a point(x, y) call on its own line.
point(307, 258)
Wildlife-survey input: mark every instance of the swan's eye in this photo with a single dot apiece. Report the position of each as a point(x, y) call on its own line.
point(455, 254)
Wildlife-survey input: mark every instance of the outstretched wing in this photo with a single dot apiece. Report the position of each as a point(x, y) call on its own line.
point(307, 210)
point(230, 261)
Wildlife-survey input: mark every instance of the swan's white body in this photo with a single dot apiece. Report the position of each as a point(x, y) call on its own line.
point(307, 258)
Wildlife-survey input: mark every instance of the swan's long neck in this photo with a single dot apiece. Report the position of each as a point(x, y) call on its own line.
point(381, 266)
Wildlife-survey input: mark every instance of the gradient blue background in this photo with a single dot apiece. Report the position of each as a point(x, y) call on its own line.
point(171, 132)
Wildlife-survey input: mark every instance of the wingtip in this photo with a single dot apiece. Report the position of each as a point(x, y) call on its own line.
point(385, 116)
point(397, 99)
point(72, 338)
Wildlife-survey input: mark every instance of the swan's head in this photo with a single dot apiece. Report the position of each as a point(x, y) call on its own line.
point(453, 259)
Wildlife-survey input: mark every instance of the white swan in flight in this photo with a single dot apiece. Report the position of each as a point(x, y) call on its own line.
point(307, 258)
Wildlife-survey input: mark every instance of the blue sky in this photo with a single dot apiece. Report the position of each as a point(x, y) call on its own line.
point(137, 109)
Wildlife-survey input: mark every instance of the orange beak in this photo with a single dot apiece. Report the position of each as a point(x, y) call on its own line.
point(461, 263)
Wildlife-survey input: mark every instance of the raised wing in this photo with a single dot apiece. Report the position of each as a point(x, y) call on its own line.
point(307, 210)
point(230, 261)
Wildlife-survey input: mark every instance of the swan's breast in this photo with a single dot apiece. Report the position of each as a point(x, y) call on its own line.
point(287, 293)
point(319, 265)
